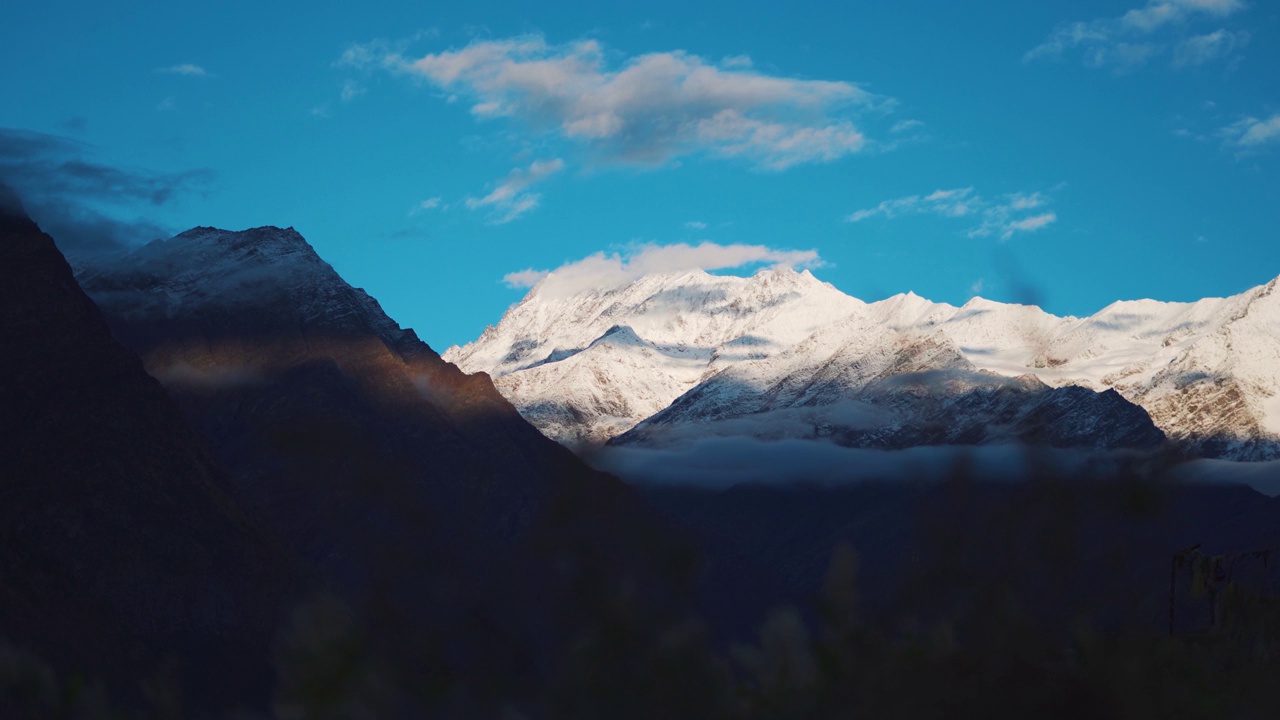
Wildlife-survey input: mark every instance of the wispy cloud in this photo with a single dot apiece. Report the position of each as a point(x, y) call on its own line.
point(1202, 49)
point(511, 198)
point(79, 201)
point(604, 272)
point(696, 225)
point(431, 203)
point(187, 69)
point(958, 202)
point(1132, 39)
point(351, 90)
point(648, 109)
point(1002, 217)
point(1251, 133)
point(904, 125)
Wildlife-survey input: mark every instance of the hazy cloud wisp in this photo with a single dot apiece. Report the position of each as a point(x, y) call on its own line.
point(1003, 217)
point(80, 201)
point(188, 69)
point(1251, 133)
point(511, 198)
point(1130, 40)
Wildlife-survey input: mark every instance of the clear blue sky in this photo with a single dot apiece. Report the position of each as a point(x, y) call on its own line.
point(1089, 151)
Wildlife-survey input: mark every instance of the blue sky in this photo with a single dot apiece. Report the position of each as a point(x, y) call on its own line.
point(1068, 153)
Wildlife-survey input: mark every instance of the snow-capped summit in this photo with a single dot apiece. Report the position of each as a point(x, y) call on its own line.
point(548, 358)
point(1207, 372)
point(208, 271)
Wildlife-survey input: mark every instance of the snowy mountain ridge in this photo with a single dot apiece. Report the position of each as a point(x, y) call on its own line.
point(209, 270)
point(588, 367)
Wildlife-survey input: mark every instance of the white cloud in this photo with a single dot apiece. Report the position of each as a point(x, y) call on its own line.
point(1201, 49)
point(1002, 217)
point(649, 109)
point(169, 104)
point(351, 90)
point(1034, 222)
point(696, 225)
point(1158, 13)
point(432, 203)
point(950, 203)
point(510, 198)
point(614, 270)
point(525, 278)
point(184, 69)
point(976, 287)
point(1130, 40)
point(1251, 133)
point(904, 125)
point(1026, 201)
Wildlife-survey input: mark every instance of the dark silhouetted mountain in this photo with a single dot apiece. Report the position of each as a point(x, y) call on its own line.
point(409, 481)
point(121, 541)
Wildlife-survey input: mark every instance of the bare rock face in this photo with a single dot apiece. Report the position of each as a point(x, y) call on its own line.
point(123, 540)
point(1220, 395)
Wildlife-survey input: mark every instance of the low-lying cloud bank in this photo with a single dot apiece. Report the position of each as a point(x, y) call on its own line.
point(722, 462)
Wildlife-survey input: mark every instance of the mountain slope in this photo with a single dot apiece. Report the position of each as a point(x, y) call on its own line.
point(1206, 372)
point(122, 539)
point(865, 391)
point(413, 484)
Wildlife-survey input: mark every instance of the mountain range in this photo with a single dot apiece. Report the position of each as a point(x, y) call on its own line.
point(781, 354)
point(229, 473)
point(212, 438)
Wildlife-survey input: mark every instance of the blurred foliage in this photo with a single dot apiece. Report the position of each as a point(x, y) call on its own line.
point(961, 640)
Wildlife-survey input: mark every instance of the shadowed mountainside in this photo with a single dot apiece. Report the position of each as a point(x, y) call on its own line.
point(418, 488)
point(122, 541)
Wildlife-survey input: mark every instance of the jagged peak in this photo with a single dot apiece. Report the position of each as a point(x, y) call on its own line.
point(979, 301)
point(1133, 306)
point(216, 234)
point(619, 335)
point(217, 246)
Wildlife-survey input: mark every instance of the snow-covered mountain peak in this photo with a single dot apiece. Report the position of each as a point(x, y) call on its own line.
point(1204, 370)
point(208, 270)
point(691, 309)
point(640, 345)
point(910, 310)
